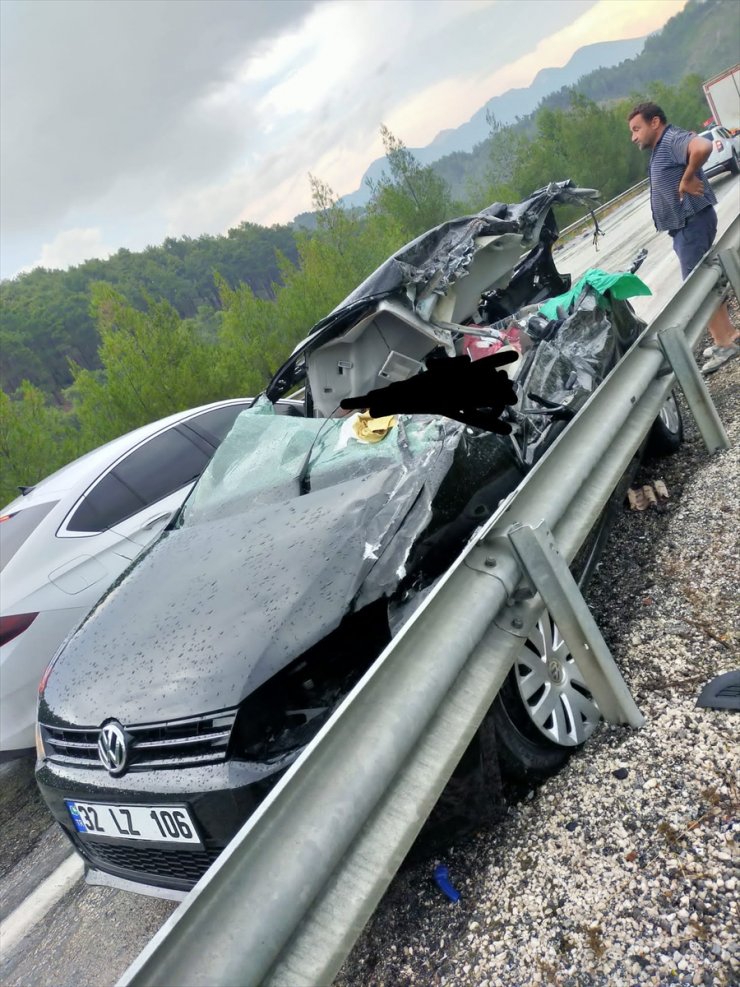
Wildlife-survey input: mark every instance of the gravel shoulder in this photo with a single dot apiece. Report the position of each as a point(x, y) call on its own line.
point(625, 867)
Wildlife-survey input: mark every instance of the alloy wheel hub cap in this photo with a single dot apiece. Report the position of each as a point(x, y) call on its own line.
point(556, 672)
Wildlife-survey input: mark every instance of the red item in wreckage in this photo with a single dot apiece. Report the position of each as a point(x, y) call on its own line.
point(476, 348)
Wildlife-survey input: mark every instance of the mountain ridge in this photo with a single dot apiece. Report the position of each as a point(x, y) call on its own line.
point(507, 107)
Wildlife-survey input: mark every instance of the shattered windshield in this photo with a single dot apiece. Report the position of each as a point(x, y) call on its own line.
point(268, 458)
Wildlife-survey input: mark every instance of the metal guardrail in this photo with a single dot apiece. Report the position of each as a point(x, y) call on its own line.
point(287, 899)
point(628, 193)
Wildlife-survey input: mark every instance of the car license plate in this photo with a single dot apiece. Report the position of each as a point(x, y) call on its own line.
point(157, 823)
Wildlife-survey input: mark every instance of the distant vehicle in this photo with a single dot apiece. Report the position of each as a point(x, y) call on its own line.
point(65, 540)
point(725, 154)
point(723, 96)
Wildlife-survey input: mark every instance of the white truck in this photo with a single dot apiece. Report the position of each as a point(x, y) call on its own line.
point(723, 95)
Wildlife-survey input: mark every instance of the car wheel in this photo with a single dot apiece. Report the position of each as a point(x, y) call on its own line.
point(544, 710)
point(734, 165)
point(666, 434)
point(533, 745)
point(471, 798)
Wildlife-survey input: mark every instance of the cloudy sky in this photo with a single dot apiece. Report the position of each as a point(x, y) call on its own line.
point(126, 121)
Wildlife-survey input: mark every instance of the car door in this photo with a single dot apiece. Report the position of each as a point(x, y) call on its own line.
point(131, 503)
point(124, 510)
point(731, 141)
point(162, 472)
point(154, 480)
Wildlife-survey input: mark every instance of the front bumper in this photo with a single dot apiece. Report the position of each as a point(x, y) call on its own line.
point(219, 797)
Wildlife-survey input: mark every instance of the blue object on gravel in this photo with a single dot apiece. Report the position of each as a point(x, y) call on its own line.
point(442, 878)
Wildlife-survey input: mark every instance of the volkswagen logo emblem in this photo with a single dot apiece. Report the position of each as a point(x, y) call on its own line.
point(556, 672)
point(112, 748)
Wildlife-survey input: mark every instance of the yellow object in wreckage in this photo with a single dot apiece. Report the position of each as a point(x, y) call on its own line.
point(368, 429)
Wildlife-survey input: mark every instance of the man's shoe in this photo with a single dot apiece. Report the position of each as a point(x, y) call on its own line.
point(710, 351)
point(720, 356)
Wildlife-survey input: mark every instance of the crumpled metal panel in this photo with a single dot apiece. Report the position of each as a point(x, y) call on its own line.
point(267, 458)
point(413, 515)
point(279, 568)
point(573, 362)
point(439, 257)
point(429, 266)
point(434, 260)
point(582, 343)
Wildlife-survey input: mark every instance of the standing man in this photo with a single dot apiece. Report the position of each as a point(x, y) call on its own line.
point(683, 204)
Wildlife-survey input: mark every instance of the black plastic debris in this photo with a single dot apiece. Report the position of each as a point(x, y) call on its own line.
point(722, 692)
point(621, 773)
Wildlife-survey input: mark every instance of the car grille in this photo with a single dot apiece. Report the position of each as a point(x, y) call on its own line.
point(180, 867)
point(174, 743)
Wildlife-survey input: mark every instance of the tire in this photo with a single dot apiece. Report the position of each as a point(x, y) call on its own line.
point(544, 710)
point(666, 435)
point(527, 752)
point(734, 165)
point(471, 798)
point(589, 554)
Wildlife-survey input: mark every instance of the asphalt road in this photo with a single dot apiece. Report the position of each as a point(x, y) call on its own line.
point(89, 936)
point(628, 230)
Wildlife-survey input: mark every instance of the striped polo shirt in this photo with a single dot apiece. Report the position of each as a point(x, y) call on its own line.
point(667, 165)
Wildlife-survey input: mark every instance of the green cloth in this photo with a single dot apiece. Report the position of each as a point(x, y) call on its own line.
point(621, 285)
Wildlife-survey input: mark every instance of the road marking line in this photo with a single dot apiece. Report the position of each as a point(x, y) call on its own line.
point(38, 903)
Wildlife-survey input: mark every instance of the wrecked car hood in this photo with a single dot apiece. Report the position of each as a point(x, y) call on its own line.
point(293, 524)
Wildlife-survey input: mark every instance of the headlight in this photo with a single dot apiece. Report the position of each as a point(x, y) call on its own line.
point(285, 713)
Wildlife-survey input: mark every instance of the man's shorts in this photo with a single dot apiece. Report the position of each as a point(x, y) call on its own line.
point(693, 241)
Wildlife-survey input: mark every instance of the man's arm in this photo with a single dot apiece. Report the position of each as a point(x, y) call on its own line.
point(697, 153)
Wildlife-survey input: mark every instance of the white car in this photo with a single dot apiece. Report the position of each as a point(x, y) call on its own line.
point(65, 540)
point(725, 154)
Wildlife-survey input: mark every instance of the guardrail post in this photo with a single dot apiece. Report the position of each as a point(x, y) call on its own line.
point(551, 577)
point(679, 356)
point(730, 261)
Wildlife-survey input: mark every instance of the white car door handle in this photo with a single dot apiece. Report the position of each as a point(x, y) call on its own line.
point(155, 520)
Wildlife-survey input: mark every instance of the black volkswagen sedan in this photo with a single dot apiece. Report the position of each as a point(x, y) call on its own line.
point(206, 669)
